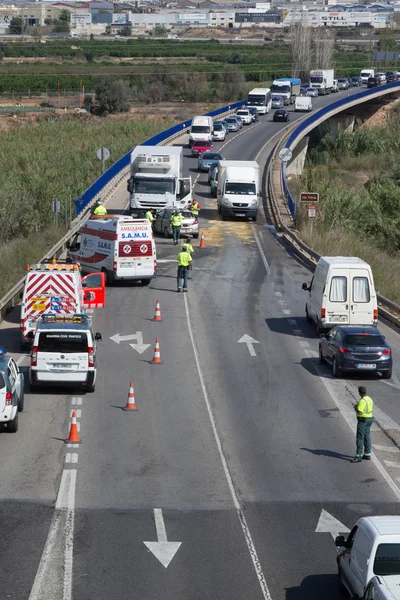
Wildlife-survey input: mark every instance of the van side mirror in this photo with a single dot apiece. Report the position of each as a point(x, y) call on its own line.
point(68, 246)
point(305, 287)
point(21, 295)
point(98, 337)
point(129, 186)
point(30, 335)
point(340, 542)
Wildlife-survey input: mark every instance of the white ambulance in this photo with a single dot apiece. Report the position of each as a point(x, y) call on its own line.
point(119, 246)
point(57, 287)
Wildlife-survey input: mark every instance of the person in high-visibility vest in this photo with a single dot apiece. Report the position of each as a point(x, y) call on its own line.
point(184, 259)
point(188, 248)
point(195, 207)
point(100, 209)
point(150, 217)
point(364, 411)
point(176, 222)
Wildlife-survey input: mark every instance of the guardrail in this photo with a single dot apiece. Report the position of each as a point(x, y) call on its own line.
point(279, 194)
point(104, 184)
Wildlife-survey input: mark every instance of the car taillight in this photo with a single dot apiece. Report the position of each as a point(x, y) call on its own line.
point(323, 313)
point(91, 356)
point(343, 350)
point(34, 356)
point(387, 351)
point(115, 266)
point(195, 222)
point(155, 265)
point(375, 314)
point(9, 400)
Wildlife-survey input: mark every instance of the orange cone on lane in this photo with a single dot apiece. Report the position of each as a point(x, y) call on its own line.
point(157, 356)
point(73, 437)
point(202, 241)
point(130, 404)
point(157, 315)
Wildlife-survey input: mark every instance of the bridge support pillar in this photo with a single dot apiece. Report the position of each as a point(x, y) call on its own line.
point(296, 165)
point(341, 122)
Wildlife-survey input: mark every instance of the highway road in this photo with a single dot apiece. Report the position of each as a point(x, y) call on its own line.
point(238, 451)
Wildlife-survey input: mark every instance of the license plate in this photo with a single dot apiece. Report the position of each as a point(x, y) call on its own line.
point(126, 265)
point(63, 366)
point(337, 319)
point(366, 366)
point(240, 215)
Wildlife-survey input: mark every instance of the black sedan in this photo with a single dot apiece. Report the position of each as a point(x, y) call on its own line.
point(281, 115)
point(356, 348)
point(356, 81)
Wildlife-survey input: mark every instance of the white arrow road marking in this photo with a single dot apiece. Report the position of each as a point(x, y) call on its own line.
point(249, 341)
point(138, 336)
point(163, 550)
point(328, 524)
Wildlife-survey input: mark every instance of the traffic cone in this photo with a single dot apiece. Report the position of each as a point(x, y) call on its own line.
point(157, 356)
point(73, 437)
point(157, 315)
point(202, 242)
point(130, 404)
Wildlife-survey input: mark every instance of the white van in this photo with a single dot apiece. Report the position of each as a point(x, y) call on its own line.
point(119, 246)
point(303, 104)
point(372, 549)
point(201, 129)
point(366, 74)
point(383, 588)
point(341, 292)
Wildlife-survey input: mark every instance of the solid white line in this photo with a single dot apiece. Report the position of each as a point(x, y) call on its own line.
point(263, 257)
point(242, 519)
point(160, 525)
point(46, 556)
point(66, 493)
point(394, 450)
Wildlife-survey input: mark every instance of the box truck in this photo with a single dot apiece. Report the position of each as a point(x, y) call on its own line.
point(286, 87)
point(238, 188)
point(322, 80)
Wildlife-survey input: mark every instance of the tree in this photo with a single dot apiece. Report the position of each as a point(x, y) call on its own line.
point(15, 27)
point(112, 95)
point(232, 84)
point(65, 15)
point(323, 44)
point(300, 47)
point(61, 26)
point(108, 30)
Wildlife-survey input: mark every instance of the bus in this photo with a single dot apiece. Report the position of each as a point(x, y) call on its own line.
point(260, 98)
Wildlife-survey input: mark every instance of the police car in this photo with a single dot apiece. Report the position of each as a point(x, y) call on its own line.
point(11, 391)
point(64, 352)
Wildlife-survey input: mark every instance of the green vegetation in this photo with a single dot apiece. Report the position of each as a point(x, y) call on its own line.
point(54, 158)
point(358, 179)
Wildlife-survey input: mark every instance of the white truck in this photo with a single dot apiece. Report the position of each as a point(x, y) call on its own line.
point(286, 87)
point(238, 188)
point(366, 74)
point(322, 80)
point(156, 179)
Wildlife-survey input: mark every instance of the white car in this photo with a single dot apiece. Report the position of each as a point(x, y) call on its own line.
point(381, 77)
point(64, 352)
point(245, 116)
point(11, 391)
point(219, 132)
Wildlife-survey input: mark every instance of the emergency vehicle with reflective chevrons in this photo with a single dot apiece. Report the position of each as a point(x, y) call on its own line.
point(57, 287)
point(119, 246)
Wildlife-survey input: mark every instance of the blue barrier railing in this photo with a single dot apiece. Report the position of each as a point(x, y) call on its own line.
point(96, 187)
point(317, 115)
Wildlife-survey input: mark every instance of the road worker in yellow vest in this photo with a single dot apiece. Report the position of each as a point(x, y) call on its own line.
point(150, 217)
point(364, 411)
point(176, 222)
point(188, 248)
point(195, 207)
point(100, 209)
point(184, 259)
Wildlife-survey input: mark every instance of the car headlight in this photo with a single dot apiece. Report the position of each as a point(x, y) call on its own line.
point(254, 202)
point(226, 202)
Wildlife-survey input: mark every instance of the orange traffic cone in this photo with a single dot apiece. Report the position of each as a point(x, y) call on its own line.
point(73, 437)
point(130, 404)
point(157, 356)
point(202, 241)
point(157, 315)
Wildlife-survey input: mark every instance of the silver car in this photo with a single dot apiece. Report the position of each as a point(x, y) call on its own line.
point(312, 92)
point(233, 124)
point(343, 83)
point(207, 159)
point(219, 132)
point(190, 224)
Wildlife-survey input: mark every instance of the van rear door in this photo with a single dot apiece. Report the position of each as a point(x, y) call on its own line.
point(94, 290)
point(336, 298)
point(362, 299)
point(61, 352)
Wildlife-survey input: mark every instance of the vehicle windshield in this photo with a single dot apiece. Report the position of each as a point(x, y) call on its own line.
point(316, 79)
point(387, 560)
point(242, 112)
point(66, 342)
point(153, 186)
point(242, 188)
point(342, 80)
point(231, 120)
point(200, 129)
point(218, 127)
point(257, 100)
point(283, 89)
point(365, 74)
point(364, 339)
point(211, 156)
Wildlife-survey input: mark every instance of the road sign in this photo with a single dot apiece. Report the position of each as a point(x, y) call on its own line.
point(103, 154)
point(312, 211)
point(309, 197)
point(285, 154)
point(56, 206)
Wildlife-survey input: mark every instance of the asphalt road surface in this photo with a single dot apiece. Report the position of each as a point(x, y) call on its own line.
point(238, 452)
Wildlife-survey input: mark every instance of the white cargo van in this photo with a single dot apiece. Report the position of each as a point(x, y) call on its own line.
point(119, 246)
point(201, 129)
point(366, 74)
point(371, 550)
point(383, 588)
point(303, 104)
point(341, 292)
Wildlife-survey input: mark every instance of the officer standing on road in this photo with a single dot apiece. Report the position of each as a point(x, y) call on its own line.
point(184, 264)
point(195, 207)
point(364, 409)
point(176, 222)
point(150, 217)
point(100, 209)
point(188, 248)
